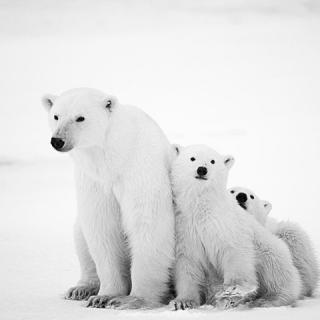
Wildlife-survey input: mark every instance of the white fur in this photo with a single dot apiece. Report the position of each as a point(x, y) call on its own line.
point(217, 240)
point(125, 225)
point(297, 240)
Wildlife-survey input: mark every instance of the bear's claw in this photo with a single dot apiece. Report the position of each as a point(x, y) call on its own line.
point(182, 304)
point(81, 292)
point(99, 301)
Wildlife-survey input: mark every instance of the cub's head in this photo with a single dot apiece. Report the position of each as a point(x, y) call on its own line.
point(198, 167)
point(78, 118)
point(250, 202)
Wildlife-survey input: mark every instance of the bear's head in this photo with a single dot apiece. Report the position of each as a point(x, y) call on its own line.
point(198, 167)
point(250, 202)
point(78, 118)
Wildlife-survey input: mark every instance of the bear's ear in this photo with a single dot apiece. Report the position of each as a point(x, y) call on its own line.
point(109, 102)
point(228, 161)
point(48, 100)
point(176, 148)
point(267, 206)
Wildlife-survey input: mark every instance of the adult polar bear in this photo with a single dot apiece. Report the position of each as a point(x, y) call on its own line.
point(124, 233)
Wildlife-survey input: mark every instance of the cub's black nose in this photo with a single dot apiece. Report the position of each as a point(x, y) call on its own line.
point(57, 143)
point(241, 197)
point(202, 171)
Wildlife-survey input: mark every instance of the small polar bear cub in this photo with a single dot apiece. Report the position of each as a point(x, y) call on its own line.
point(207, 229)
point(298, 241)
point(252, 204)
point(217, 241)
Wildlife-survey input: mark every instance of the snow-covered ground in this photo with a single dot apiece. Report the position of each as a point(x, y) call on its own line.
point(240, 75)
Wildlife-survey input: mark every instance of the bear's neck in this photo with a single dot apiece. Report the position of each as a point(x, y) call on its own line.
point(109, 158)
point(93, 162)
point(211, 200)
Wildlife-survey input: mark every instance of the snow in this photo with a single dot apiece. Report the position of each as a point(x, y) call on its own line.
point(242, 76)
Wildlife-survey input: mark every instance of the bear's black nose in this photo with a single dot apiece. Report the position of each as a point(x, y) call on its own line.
point(202, 171)
point(57, 143)
point(241, 197)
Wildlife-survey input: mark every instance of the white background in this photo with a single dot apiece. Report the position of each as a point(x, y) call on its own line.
point(240, 75)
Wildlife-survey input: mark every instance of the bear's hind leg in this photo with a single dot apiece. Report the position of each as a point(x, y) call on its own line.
point(240, 280)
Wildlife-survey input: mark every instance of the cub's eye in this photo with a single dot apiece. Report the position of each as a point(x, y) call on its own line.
point(192, 158)
point(232, 191)
point(55, 117)
point(252, 197)
point(212, 161)
point(80, 119)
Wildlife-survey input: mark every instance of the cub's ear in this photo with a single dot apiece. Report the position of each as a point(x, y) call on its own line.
point(109, 102)
point(267, 206)
point(177, 148)
point(228, 161)
point(48, 100)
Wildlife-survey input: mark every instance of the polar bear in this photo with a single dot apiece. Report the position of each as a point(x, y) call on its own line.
point(298, 241)
point(250, 202)
point(124, 231)
point(217, 241)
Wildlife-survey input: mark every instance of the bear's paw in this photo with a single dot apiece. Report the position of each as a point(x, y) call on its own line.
point(232, 296)
point(81, 292)
point(183, 304)
point(99, 301)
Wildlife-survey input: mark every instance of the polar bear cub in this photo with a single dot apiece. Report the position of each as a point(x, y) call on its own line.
point(124, 233)
point(219, 242)
point(298, 241)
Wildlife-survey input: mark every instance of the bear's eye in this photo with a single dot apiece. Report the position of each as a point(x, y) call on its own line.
point(252, 197)
point(232, 191)
point(55, 117)
point(80, 119)
point(192, 158)
point(212, 161)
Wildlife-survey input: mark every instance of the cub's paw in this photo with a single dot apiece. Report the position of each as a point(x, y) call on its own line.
point(183, 304)
point(232, 296)
point(99, 301)
point(81, 292)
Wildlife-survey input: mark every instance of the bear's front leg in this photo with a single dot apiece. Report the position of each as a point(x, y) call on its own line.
point(89, 283)
point(188, 277)
point(188, 272)
point(148, 220)
point(99, 217)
